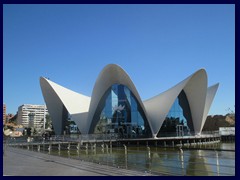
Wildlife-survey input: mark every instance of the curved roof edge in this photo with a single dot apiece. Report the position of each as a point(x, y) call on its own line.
point(111, 74)
point(82, 108)
point(57, 96)
point(73, 101)
point(194, 86)
point(211, 92)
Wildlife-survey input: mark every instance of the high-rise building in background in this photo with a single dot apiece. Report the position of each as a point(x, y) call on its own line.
point(32, 116)
point(4, 113)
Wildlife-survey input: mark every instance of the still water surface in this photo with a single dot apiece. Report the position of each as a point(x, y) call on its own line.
point(206, 160)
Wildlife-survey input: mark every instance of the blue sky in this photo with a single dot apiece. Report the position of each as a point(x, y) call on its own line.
point(157, 45)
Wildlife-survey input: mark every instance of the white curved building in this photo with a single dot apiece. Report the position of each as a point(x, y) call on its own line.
point(116, 107)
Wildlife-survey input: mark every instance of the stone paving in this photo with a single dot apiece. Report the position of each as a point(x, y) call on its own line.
point(19, 162)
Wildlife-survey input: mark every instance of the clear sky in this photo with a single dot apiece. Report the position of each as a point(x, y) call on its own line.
point(157, 45)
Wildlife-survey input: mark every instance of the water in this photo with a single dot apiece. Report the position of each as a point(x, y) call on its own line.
point(201, 161)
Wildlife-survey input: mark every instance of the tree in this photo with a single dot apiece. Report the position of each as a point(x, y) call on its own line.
point(13, 119)
point(231, 113)
point(34, 131)
point(5, 127)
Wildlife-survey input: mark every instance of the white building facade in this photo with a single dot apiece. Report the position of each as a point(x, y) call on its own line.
point(116, 106)
point(31, 116)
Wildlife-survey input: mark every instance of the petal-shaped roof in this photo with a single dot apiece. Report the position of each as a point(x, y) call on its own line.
point(194, 86)
point(82, 108)
point(57, 97)
point(111, 74)
point(211, 92)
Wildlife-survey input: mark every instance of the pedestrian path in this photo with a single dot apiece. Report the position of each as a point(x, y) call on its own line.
point(19, 162)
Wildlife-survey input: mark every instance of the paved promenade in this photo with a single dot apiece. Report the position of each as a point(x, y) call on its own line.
point(19, 162)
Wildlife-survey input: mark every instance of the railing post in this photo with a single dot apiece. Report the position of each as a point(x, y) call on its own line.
point(149, 152)
point(110, 144)
point(102, 145)
point(69, 146)
point(125, 148)
point(59, 147)
point(49, 148)
point(86, 150)
point(217, 163)
point(182, 160)
point(78, 147)
point(107, 147)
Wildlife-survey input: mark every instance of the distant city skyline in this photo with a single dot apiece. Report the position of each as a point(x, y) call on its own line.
point(70, 44)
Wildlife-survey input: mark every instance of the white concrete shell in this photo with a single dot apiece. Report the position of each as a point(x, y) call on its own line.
point(195, 87)
point(211, 92)
point(111, 74)
point(57, 97)
point(82, 108)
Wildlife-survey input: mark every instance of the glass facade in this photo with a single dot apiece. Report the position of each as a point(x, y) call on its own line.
point(179, 119)
point(119, 112)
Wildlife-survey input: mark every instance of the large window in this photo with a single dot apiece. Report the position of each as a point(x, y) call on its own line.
point(119, 112)
point(179, 119)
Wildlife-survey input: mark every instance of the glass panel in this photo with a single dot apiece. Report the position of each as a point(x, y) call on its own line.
point(179, 119)
point(119, 112)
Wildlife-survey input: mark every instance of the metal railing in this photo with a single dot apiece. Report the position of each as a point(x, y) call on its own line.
point(189, 134)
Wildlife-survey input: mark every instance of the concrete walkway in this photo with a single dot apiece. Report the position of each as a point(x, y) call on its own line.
point(19, 162)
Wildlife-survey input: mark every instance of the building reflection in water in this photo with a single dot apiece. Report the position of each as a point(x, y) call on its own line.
point(170, 161)
point(197, 164)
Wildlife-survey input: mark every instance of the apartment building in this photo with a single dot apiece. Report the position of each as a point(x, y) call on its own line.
point(30, 115)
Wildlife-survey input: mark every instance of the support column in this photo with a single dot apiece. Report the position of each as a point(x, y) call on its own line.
point(107, 147)
point(218, 169)
point(59, 147)
point(69, 146)
point(181, 160)
point(78, 146)
point(102, 145)
point(125, 149)
point(110, 144)
point(49, 147)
